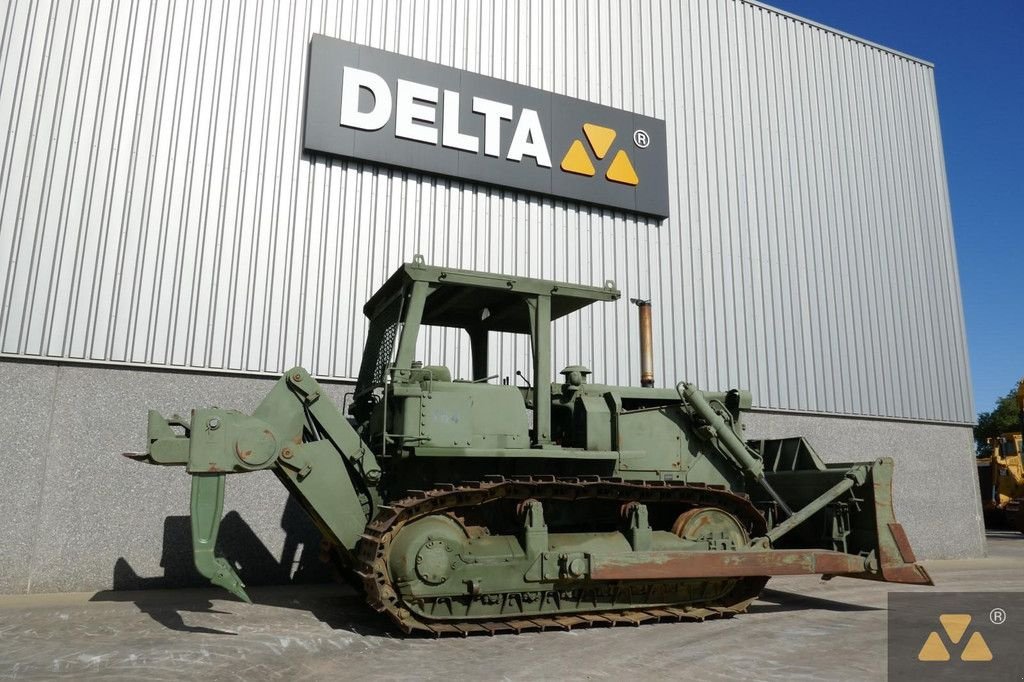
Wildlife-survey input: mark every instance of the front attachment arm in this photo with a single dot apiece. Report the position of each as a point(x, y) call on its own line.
point(207, 507)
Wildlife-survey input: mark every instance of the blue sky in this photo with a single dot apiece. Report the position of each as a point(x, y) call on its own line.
point(978, 52)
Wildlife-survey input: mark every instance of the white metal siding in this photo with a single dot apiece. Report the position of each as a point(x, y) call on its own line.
point(155, 206)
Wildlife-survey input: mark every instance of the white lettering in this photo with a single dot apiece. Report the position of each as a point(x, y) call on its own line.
point(407, 111)
point(494, 113)
point(416, 117)
point(450, 135)
point(352, 81)
point(528, 140)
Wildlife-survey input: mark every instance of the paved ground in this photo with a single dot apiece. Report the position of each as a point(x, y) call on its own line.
point(802, 629)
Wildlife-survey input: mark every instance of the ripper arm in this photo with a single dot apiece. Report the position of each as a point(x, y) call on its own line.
point(297, 433)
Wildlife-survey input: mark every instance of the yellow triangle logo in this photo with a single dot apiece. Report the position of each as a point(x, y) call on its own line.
point(955, 625)
point(600, 138)
point(621, 170)
point(976, 649)
point(576, 160)
point(933, 649)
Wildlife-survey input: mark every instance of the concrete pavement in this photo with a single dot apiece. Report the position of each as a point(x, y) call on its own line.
point(802, 629)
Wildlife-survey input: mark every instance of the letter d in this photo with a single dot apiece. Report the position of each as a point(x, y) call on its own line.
point(352, 81)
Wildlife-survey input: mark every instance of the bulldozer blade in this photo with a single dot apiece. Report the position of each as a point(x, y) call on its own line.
point(896, 560)
point(897, 563)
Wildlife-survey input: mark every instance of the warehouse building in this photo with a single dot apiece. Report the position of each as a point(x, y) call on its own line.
point(195, 197)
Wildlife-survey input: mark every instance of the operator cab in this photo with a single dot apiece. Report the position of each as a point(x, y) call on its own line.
point(405, 402)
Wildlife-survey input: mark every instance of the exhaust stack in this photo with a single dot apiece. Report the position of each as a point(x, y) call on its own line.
point(646, 343)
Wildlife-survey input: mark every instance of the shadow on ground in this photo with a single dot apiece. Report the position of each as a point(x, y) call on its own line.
point(779, 602)
point(298, 565)
point(337, 606)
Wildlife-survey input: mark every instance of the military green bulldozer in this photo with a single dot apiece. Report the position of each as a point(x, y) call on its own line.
point(479, 505)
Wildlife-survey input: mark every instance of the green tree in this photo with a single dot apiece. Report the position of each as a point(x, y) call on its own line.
point(1005, 417)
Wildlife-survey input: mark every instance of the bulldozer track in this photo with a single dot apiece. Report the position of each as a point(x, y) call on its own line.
point(385, 597)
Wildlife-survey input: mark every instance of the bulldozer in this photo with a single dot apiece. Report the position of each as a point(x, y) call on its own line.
point(1001, 475)
point(1002, 479)
point(491, 504)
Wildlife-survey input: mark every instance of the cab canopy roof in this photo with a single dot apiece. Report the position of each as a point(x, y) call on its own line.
point(481, 300)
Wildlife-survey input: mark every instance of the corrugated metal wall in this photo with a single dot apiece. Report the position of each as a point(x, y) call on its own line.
point(155, 206)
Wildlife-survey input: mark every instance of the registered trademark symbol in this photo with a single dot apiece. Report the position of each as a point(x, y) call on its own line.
point(641, 138)
point(997, 616)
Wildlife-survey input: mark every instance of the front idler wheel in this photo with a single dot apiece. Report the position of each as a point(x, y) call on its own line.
point(719, 529)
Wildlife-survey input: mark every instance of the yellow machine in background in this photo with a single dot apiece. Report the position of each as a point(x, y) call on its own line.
point(1001, 476)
